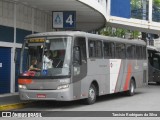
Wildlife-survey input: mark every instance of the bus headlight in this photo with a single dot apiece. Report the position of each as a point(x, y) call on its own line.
point(63, 87)
point(22, 87)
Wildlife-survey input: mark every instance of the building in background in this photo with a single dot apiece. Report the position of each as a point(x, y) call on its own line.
point(16, 21)
point(19, 18)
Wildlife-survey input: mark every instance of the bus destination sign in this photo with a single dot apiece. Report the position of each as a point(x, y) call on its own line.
point(36, 40)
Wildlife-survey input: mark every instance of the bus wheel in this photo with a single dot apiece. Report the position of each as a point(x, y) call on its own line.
point(92, 93)
point(158, 83)
point(131, 90)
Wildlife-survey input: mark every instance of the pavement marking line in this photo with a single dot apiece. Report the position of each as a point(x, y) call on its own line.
point(14, 106)
point(8, 94)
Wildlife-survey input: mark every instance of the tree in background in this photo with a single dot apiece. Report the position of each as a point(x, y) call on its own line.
point(156, 10)
point(119, 32)
point(156, 3)
point(136, 9)
point(136, 12)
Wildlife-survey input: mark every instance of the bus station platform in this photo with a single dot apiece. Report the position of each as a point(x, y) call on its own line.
point(11, 102)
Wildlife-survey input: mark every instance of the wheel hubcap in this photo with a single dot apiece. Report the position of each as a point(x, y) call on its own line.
point(91, 93)
point(132, 88)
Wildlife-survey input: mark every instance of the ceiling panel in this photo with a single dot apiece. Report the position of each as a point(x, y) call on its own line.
point(87, 17)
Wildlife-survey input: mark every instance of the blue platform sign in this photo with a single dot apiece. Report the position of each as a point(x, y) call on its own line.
point(64, 19)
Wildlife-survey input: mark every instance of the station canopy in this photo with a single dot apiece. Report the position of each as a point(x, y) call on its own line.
point(87, 18)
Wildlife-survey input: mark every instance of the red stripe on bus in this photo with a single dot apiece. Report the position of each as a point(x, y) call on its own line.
point(118, 76)
point(128, 77)
point(24, 81)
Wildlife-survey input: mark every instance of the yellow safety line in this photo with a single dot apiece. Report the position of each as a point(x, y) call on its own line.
point(13, 106)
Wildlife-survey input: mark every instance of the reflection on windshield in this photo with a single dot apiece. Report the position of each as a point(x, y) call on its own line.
point(49, 59)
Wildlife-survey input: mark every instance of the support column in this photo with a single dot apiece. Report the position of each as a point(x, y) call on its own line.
point(45, 23)
point(108, 9)
point(12, 85)
point(144, 17)
point(150, 11)
point(144, 11)
point(32, 24)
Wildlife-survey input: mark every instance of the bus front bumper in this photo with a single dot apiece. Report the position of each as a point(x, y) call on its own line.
point(57, 95)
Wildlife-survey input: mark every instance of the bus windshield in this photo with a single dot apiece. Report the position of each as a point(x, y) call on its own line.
point(46, 57)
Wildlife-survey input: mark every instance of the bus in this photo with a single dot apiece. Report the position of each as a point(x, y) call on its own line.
point(153, 64)
point(82, 66)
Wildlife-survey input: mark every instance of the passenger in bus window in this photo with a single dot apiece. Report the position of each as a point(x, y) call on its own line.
point(47, 62)
point(33, 66)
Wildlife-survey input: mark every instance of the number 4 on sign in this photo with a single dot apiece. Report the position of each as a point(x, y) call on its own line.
point(70, 20)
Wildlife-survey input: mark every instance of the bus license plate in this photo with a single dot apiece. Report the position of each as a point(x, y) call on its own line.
point(41, 95)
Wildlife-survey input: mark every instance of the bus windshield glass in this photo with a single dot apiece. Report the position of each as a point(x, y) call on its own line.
point(46, 56)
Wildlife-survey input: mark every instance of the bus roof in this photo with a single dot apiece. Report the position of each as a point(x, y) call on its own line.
point(79, 33)
point(153, 48)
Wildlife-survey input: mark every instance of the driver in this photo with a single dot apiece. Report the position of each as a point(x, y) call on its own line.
point(33, 66)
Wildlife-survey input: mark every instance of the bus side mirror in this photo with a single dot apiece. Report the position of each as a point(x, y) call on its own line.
point(76, 55)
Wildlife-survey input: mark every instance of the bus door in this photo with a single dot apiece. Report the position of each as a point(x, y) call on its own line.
point(79, 64)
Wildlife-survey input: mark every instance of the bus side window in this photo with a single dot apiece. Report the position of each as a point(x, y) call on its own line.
point(130, 51)
point(139, 52)
point(81, 43)
point(144, 53)
point(99, 49)
point(95, 49)
point(92, 48)
point(120, 51)
point(156, 62)
point(108, 48)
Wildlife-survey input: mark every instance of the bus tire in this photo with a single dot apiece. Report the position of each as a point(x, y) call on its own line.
point(131, 90)
point(158, 83)
point(92, 94)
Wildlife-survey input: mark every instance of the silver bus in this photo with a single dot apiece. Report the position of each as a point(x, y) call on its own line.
point(153, 64)
point(80, 66)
